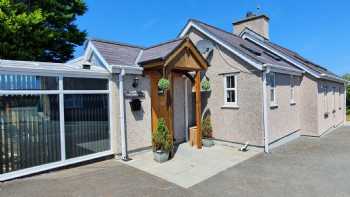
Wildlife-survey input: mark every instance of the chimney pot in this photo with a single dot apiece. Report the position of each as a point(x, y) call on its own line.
point(250, 14)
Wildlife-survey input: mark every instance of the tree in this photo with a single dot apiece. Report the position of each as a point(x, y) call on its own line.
point(347, 77)
point(40, 30)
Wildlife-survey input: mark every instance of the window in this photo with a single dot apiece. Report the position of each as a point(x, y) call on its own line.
point(230, 85)
point(334, 100)
point(28, 82)
point(29, 131)
point(86, 124)
point(272, 82)
point(325, 103)
point(340, 98)
point(292, 90)
point(84, 84)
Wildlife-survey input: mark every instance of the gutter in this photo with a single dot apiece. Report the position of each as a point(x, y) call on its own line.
point(128, 69)
point(332, 78)
point(122, 117)
point(283, 69)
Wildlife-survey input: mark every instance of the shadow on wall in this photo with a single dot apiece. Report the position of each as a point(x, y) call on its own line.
point(138, 114)
point(205, 97)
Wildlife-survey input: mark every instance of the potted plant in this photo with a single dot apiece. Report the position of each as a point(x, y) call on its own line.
point(205, 85)
point(163, 85)
point(162, 142)
point(207, 132)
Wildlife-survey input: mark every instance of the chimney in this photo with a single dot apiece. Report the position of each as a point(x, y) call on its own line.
point(258, 23)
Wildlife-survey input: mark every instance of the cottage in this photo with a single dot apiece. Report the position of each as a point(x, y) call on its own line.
point(107, 101)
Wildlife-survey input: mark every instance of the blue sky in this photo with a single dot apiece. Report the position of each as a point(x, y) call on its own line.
point(318, 30)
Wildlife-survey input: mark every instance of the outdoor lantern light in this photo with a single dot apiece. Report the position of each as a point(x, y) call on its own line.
point(136, 82)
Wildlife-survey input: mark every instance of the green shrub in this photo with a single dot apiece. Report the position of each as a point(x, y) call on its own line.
point(161, 137)
point(163, 84)
point(207, 130)
point(205, 85)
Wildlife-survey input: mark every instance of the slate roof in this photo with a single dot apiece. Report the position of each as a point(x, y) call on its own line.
point(159, 51)
point(315, 67)
point(116, 53)
point(255, 52)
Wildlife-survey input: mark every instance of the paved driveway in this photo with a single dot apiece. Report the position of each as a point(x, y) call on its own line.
point(305, 167)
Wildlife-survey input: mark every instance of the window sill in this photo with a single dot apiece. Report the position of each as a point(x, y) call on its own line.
point(228, 106)
point(292, 103)
point(273, 105)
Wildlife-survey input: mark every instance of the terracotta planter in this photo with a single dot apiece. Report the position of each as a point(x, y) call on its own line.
point(160, 156)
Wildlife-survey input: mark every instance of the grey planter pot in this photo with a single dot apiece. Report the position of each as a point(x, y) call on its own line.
point(160, 156)
point(207, 142)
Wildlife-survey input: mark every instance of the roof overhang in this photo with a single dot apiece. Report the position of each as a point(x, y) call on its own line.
point(283, 69)
point(191, 24)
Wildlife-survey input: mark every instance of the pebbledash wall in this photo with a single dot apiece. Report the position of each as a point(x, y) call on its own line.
point(320, 110)
point(137, 123)
point(283, 115)
point(244, 122)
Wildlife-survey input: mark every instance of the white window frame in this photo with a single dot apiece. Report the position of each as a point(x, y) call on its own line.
point(230, 104)
point(292, 90)
point(340, 98)
point(325, 99)
point(272, 86)
point(60, 92)
point(334, 99)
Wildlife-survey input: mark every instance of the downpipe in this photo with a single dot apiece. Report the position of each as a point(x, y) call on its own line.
point(124, 156)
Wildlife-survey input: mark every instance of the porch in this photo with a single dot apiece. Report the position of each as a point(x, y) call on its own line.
point(177, 61)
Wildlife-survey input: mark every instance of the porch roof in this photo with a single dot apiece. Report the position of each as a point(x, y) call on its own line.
point(180, 52)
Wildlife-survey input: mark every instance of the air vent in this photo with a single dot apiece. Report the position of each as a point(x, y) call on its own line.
point(86, 65)
point(250, 50)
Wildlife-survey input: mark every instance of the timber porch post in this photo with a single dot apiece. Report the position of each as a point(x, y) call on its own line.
point(198, 137)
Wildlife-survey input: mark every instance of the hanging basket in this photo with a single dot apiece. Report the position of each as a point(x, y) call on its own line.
point(163, 85)
point(205, 84)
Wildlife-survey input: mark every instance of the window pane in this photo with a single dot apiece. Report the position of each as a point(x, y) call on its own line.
point(29, 131)
point(85, 84)
point(27, 82)
point(230, 81)
point(86, 124)
point(272, 95)
point(231, 96)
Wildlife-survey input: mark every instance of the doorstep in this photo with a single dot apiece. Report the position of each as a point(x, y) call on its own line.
point(191, 166)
